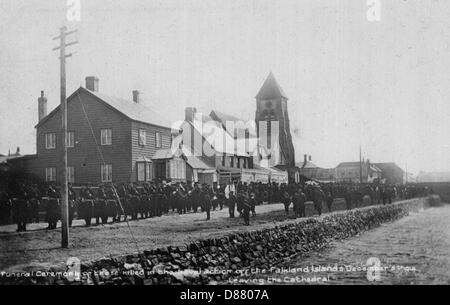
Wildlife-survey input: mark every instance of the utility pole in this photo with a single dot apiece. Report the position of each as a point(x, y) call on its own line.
point(406, 176)
point(360, 166)
point(64, 188)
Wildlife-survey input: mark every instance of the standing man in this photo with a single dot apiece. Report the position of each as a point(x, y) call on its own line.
point(286, 199)
point(329, 200)
point(87, 205)
point(100, 206)
point(20, 207)
point(246, 209)
point(231, 203)
point(253, 204)
point(348, 198)
point(52, 207)
point(301, 204)
point(296, 202)
point(5, 208)
point(221, 195)
point(112, 206)
point(240, 202)
point(318, 199)
point(207, 202)
point(34, 203)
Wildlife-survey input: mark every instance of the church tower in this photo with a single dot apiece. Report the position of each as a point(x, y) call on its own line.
point(271, 107)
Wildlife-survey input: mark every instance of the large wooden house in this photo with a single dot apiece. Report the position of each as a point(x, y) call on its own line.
point(109, 139)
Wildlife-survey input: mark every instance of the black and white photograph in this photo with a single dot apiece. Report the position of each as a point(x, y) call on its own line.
point(243, 144)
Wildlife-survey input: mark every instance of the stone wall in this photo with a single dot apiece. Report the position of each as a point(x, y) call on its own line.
point(216, 260)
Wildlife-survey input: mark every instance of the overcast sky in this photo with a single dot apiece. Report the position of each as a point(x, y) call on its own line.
point(350, 82)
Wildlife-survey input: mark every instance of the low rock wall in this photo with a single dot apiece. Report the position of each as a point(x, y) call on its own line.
point(219, 259)
point(216, 260)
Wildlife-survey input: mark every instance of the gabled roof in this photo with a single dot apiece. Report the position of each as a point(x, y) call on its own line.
point(5, 159)
point(308, 164)
point(128, 108)
point(238, 132)
point(223, 117)
point(349, 164)
point(198, 163)
point(220, 140)
point(135, 111)
point(270, 89)
point(388, 165)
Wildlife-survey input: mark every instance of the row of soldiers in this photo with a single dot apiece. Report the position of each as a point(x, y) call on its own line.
point(107, 203)
point(115, 203)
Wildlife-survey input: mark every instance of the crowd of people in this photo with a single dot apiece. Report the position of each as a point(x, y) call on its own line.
point(109, 203)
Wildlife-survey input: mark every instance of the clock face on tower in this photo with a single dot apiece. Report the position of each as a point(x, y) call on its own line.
point(268, 104)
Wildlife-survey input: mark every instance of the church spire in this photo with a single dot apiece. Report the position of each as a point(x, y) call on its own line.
point(270, 89)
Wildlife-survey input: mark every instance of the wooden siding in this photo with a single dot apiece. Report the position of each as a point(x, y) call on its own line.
point(85, 156)
point(149, 149)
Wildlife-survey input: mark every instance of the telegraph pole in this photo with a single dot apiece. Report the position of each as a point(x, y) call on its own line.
point(406, 176)
point(360, 166)
point(64, 188)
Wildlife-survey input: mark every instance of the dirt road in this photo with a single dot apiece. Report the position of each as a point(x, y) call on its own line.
point(39, 249)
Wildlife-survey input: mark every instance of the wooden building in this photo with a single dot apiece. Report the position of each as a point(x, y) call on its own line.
point(356, 172)
point(109, 139)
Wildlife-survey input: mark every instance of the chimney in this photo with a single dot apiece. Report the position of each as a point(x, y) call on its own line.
point(189, 114)
point(136, 97)
point(310, 158)
point(92, 83)
point(42, 106)
point(18, 151)
point(305, 159)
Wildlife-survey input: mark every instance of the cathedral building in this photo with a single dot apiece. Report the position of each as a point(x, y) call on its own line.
point(272, 121)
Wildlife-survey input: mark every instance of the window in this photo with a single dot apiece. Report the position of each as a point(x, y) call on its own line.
point(231, 161)
point(106, 136)
point(70, 139)
point(250, 163)
point(50, 174)
point(107, 173)
point(142, 137)
point(223, 160)
point(70, 174)
point(177, 168)
point(50, 140)
point(158, 139)
point(148, 171)
point(141, 171)
point(144, 171)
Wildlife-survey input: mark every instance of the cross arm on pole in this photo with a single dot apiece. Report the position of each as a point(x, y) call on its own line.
point(65, 33)
point(66, 45)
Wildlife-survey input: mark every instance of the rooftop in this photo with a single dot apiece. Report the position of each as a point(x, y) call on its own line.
point(270, 89)
point(132, 110)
